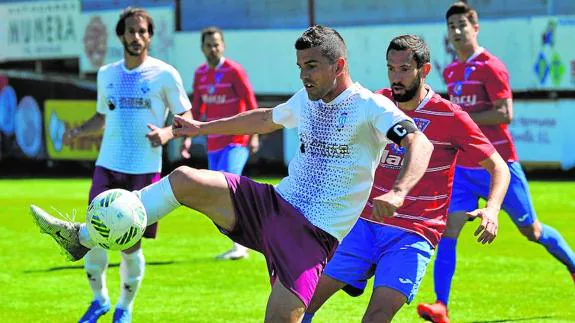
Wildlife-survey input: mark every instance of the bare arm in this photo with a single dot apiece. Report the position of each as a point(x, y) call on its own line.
point(415, 163)
point(502, 113)
point(160, 136)
point(92, 125)
point(499, 172)
point(251, 122)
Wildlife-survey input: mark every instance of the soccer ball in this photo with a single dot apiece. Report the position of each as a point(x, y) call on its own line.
point(116, 219)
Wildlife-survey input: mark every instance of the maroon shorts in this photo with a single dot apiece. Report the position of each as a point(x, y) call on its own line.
point(296, 251)
point(105, 179)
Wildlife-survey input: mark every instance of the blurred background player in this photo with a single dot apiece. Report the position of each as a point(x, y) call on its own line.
point(134, 98)
point(479, 82)
point(222, 89)
point(397, 250)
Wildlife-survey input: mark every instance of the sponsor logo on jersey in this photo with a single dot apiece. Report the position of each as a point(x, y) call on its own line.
point(463, 100)
point(317, 147)
point(214, 99)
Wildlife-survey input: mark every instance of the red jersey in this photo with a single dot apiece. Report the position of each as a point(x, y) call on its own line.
point(222, 92)
point(451, 130)
point(474, 85)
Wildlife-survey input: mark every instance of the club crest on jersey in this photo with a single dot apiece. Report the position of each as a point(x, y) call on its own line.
point(145, 88)
point(458, 88)
point(218, 78)
point(341, 120)
point(467, 72)
point(421, 125)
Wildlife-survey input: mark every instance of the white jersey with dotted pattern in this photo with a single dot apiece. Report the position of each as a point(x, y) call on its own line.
point(341, 142)
point(130, 100)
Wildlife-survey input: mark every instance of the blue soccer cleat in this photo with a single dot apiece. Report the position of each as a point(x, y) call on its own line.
point(122, 315)
point(94, 312)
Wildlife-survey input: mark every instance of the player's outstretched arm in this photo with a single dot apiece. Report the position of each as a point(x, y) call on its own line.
point(487, 230)
point(416, 160)
point(246, 123)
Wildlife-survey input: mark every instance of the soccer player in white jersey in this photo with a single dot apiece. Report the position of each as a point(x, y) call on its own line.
point(134, 97)
point(342, 128)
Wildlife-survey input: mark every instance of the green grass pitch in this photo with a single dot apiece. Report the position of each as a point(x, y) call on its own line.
point(511, 280)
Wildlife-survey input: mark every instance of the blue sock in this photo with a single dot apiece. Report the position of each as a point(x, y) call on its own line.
point(552, 240)
point(444, 268)
point(307, 317)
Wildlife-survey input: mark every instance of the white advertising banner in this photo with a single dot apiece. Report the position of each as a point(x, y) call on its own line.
point(39, 30)
point(542, 132)
point(101, 46)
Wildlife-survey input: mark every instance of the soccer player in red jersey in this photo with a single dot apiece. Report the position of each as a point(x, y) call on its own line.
point(397, 250)
point(479, 82)
point(222, 89)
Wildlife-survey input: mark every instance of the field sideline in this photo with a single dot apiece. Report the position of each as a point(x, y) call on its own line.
point(511, 280)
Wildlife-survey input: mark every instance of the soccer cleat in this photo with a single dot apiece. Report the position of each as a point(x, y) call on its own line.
point(234, 254)
point(65, 233)
point(122, 315)
point(94, 312)
point(436, 312)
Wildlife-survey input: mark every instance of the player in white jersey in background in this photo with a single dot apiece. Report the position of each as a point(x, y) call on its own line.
point(134, 98)
point(342, 128)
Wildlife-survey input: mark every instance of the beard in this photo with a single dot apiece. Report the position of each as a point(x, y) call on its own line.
point(410, 91)
point(131, 52)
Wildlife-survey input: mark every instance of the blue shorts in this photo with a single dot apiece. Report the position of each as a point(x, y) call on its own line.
point(396, 257)
point(231, 159)
point(471, 184)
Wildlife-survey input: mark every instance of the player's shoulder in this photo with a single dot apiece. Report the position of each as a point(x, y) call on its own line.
point(160, 64)
point(439, 104)
point(491, 61)
point(373, 99)
point(202, 69)
point(109, 68)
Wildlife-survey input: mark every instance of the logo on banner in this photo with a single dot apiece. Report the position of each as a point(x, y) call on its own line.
point(548, 62)
point(96, 41)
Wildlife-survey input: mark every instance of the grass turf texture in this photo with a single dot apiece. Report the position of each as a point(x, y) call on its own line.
point(511, 280)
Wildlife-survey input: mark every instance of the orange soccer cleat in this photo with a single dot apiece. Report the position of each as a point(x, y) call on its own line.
point(436, 312)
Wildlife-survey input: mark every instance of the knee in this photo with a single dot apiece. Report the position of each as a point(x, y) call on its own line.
point(184, 178)
point(532, 233)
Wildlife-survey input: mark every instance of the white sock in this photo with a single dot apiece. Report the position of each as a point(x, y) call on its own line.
point(158, 199)
point(85, 238)
point(131, 275)
point(95, 264)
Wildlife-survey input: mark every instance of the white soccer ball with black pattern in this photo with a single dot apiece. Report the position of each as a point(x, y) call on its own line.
point(116, 219)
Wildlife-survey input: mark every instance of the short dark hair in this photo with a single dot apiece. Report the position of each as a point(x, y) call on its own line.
point(462, 8)
point(420, 50)
point(327, 39)
point(133, 12)
point(212, 30)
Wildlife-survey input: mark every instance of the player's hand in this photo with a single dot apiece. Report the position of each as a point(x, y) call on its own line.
point(254, 144)
point(182, 127)
point(384, 206)
point(186, 145)
point(69, 136)
point(158, 136)
point(487, 230)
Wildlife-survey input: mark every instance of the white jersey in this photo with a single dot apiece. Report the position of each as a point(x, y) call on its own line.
point(341, 142)
point(130, 100)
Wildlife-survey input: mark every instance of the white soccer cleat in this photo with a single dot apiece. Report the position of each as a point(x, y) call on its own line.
point(65, 233)
point(236, 253)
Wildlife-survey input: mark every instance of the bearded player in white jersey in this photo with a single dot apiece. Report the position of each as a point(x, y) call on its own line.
point(134, 98)
point(342, 128)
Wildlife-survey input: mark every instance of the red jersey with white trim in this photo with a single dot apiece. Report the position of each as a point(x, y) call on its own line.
point(475, 85)
point(222, 92)
point(451, 131)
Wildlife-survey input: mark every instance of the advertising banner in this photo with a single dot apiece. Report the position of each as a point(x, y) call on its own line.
point(101, 46)
point(60, 115)
point(39, 30)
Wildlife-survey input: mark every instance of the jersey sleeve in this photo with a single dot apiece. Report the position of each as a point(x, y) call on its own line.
point(197, 105)
point(101, 106)
point(287, 114)
point(497, 81)
point(383, 115)
point(175, 94)
point(469, 139)
point(244, 89)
